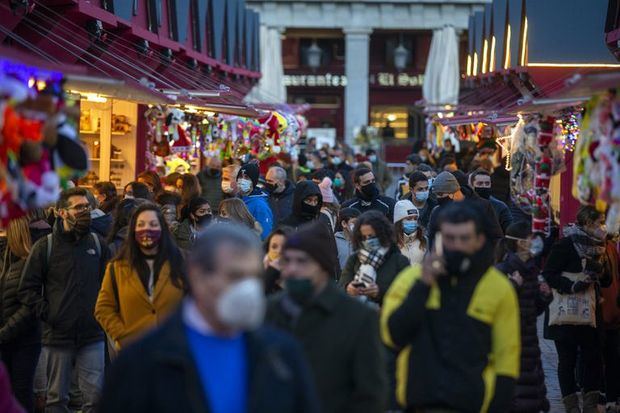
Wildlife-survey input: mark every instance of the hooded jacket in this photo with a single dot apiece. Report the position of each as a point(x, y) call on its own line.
point(383, 204)
point(258, 205)
point(282, 203)
point(64, 288)
point(302, 191)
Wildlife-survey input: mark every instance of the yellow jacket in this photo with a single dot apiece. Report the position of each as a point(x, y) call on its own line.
point(135, 314)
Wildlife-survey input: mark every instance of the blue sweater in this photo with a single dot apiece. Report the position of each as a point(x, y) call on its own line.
point(223, 368)
point(258, 205)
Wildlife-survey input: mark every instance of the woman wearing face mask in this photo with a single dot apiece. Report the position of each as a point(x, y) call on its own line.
point(144, 283)
point(377, 261)
point(273, 251)
point(576, 270)
point(234, 210)
point(189, 188)
point(409, 234)
point(519, 265)
point(199, 217)
point(344, 233)
point(330, 207)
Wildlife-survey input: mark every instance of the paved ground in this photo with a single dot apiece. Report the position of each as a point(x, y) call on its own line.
point(550, 365)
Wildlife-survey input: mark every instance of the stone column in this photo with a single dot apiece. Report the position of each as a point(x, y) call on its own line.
point(356, 70)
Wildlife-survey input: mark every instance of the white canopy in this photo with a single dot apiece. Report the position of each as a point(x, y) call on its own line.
point(441, 78)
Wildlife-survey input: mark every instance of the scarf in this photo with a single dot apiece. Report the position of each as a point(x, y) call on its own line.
point(370, 261)
point(587, 246)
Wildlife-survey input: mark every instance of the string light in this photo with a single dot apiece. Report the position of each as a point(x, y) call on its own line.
point(570, 131)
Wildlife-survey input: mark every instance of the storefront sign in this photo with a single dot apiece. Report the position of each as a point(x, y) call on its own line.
point(384, 79)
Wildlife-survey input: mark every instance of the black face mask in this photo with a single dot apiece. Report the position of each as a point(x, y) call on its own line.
point(457, 263)
point(271, 188)
point(369, 192)
point(80, 224)
point(203, 220)
point(484, 192)
point(444, 201)
point(309, 210)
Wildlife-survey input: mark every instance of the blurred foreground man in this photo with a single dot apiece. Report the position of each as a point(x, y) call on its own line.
point(340, 335)
point(456, 321)
point(212, 356)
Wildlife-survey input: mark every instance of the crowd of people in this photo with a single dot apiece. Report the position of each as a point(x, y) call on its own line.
point(312, 285)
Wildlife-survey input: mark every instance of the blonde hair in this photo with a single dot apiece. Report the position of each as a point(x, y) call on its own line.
point(18, 237)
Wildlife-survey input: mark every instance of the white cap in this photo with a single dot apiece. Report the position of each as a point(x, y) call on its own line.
point(404, 209)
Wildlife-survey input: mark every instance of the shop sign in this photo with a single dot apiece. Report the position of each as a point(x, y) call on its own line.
point(384, 79)
point(387, 79)
point(326, 80)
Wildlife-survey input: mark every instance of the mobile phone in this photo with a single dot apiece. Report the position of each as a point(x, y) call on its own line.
point(438, 245)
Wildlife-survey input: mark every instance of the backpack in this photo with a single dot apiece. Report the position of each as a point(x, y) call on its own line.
point(49, 241)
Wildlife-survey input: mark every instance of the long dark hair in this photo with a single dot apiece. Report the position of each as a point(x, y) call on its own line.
point(400, 235)
point(383, 228)
point(168, 250)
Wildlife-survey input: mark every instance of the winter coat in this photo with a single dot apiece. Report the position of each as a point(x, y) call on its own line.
point(383, 204)
point(101, 223)
point(502, 212)
point(18, 323)
point(282, 203)
point(258, 205)
point(302, 191)
point(425, 211)
point(345, 248)
point(70, 281)
point(211, 187)
point(394, 263)
point(530, 392)
point(184, 235)
point(341, 340)
point(134, 313)
point(412, 249)
point(158, 375)
point(564, 258)
point(118, 240)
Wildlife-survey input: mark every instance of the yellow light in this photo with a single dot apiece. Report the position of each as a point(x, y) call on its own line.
point(41, 84)
point(468, 65)
point(507, 61)
point(94, 97)
point(485, 48)
point(492, 58)
point(391, 117)
point(475, 64)
point(573, 65)
point(524, 43)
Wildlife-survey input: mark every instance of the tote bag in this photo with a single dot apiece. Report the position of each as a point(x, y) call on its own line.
point(577, 309)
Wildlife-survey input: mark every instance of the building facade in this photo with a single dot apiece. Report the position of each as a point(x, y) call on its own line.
point(360, 63)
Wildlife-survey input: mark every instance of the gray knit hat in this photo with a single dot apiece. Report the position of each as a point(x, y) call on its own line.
point(445, 183)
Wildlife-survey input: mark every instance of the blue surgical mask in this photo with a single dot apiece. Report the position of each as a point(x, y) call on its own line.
point(372, 244)
point(409, 227)
point(421, 196)
point(245, 185)
point(537, 246)
point(336, 160)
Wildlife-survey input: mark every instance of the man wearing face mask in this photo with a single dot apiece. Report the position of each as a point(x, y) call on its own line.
point(307, 203)
point(280, 192)
point(367, 197)
point(534, 297)
point(254, 198)
point(480, 180)
point(411, 164)
point(199, 217)
point(212, 355)
point(340, 335)
point(229, 183)
point(61, 280)
point(455, 321)
point(420, 195)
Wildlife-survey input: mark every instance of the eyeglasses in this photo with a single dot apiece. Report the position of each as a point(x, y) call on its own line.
point(80, 208)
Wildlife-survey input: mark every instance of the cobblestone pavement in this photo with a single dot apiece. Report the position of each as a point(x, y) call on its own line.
point(550, 366)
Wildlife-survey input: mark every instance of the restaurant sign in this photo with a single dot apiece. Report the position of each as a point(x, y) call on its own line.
point(384, 79)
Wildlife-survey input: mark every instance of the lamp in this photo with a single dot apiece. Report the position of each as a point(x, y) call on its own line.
point(400, 57)
point(313, 55)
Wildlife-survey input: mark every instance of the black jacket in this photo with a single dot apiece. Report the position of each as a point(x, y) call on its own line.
point(282, 203)
point(383, 204)
point(504, 216)
point(394, 263)
point(70, 280)
point(425, 213)
point(18, 323)
point(530, 392)
point(158, 375)
point(101, 225)
point(564, 258)
point(341, 340)
point(302, 191)
point(211, 187)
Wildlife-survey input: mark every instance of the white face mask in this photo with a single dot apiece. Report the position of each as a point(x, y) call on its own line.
point(226, 187)
point(245, 185)
point(537, 246)
point(242, 305)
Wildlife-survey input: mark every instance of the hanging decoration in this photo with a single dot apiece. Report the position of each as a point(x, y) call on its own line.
point(39, 146)
point(569, 129)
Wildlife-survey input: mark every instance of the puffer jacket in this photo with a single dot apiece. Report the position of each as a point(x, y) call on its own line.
point(530, 391)
point(18, 323)
point(258, 205)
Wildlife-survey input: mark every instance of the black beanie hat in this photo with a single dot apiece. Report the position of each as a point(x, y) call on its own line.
point(313, 239)
point(251, 171)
